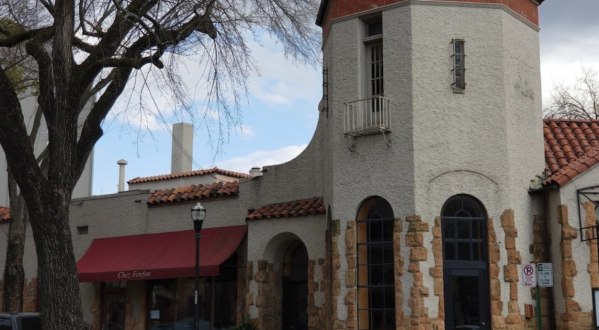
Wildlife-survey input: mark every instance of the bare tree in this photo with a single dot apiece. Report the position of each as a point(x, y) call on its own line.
point(577, 101)
point(95, 47)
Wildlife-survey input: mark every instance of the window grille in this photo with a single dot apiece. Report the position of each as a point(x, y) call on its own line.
point(376, 270)
point(459, 68)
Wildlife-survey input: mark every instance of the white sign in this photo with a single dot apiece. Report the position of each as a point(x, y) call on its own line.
point(545, 271)
point(529, 276)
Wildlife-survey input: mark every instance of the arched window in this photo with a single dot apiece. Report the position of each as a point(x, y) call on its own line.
point(465, 266)
point(376, 279)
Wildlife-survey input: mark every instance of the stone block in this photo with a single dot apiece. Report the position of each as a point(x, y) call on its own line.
point(437, 222)
point(418, 227)
point(351, 323)
point(399, 263)
point(514, 257)
point(438, 289)
point(498, 322)
point(495, 289)
point(566, 248)
point(398, 225)
point(261, 276)
point(350, 278)
point(312, 286)
point(418, 279)
point(510, 273)
point(351, 262)
point(570, 316)
point(513, 318)
point(414, 267)
point(569, 268)
point(419, 292)
point(496, 307)
point(514, 291)
point(572, 305)
point(507, 219)
point(351, 312)
point(350, 242)
point(436, 232)
point(513, 307)
point(494, 255)
point(436, 271)
point(412, 218)
point(568, 287)
point(569, 233)
point(250, 270)
point(262, 264)
point(493, 271)
point(350, 298)
point(414, 239)
point(510, 243)
point(418, 254)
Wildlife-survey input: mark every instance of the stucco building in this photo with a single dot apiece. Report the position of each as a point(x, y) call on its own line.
point(430, 180)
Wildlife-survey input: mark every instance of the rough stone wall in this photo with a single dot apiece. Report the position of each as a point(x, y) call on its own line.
point(316, 314)
point(242, 283)
point(399, 265)
point(418, 254)
point(350, 275)
point(336, 264)
point(268, 300)
point(510, 270)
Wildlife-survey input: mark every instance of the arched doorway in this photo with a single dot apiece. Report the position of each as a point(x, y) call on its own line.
point(465, 264)
point(295, 287)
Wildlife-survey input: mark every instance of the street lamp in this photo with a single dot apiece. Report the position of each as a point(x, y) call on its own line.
point(198, 214)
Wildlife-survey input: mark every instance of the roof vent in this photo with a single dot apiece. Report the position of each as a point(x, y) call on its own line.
point(256, 171)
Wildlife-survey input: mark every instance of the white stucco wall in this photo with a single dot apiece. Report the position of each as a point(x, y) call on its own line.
point(181, 182)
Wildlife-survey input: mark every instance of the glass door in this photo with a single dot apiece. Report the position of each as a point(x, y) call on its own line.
point(113, 311)
point(465, 299)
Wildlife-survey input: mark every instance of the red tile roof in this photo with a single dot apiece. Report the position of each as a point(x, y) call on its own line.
point(571, 147)
point(4, 214)
point(190, 193)
point(289, 209)
point(209, 171)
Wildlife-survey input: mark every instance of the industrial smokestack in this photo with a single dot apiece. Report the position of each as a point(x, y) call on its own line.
point(121, 164)
point(182, 148)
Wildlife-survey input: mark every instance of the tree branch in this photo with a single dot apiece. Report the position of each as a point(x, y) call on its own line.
point(43, 34)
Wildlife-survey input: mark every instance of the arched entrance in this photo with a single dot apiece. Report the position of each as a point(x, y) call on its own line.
point(465, 264)
point(295, 287)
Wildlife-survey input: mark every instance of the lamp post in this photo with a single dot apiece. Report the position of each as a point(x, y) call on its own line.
point(198, 214)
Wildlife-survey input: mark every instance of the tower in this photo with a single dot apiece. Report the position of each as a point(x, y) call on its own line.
point(433, 107)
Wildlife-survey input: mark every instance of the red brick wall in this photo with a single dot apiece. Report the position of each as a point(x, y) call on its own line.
point(339, 8)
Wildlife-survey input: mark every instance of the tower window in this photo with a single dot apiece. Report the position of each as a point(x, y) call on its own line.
point(375, 28)
point(374, 59)
point(459, 68)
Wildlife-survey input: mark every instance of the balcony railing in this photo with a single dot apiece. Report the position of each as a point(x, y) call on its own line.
point(367, 116)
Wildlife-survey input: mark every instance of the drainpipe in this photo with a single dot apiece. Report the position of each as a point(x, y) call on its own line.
point(547, 243)
point(121, 164)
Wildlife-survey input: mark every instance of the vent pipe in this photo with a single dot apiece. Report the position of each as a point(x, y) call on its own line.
point(256, 171)
point(182, 149)
point(121, 164)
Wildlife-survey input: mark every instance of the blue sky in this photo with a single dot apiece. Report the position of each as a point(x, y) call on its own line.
point(280, 115)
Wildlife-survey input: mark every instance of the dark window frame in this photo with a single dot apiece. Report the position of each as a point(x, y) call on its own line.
point(385, 240)
point(459, 65)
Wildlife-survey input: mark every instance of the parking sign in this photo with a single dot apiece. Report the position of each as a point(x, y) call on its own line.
point(545, 271)
point(529, 276)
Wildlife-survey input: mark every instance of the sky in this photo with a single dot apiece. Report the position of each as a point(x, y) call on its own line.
point(279, 116)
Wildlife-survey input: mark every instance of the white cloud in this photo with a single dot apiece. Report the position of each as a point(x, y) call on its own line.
point(261, 158)
point(245, 131)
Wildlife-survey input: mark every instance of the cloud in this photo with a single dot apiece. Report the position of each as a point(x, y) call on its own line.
point(261, 158)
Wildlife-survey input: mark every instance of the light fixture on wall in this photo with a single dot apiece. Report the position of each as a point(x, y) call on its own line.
point(198, 214)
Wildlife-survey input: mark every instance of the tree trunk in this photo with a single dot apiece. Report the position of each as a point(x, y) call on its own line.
point(58, 283)
point(14, 274)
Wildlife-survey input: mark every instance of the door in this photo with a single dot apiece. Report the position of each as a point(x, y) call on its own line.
point(465, 299)
point(295, 288)
point(465, 264)
point(113, 311)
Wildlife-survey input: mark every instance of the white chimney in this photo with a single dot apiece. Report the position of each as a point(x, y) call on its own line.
point(121, 164)
point(256, 171)
point(182, 148)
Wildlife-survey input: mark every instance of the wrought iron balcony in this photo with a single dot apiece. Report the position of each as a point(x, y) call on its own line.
point(367, 116)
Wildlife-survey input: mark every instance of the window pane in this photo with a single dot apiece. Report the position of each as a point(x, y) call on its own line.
point(389, 275)
point(362, 254)
point(375, 28)
point(389, 298)
point(477, 251)
point(377, 298)
point(463, 251)
point(376, 232)
point(464, 229)
point(389, 253)
point(448, 229)
point(449, 251)
point(376, 275)
point(477, 229)
point(376, 254)
point(378, 320)
point(390, 320)
point(364, 320)
point(363, 275)
point(388, 231)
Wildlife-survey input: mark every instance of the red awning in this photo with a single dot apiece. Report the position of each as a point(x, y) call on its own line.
point(156, 256)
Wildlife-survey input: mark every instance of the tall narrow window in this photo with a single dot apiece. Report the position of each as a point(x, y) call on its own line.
point(376, 272)
point(374, 56)
point(459, 68)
